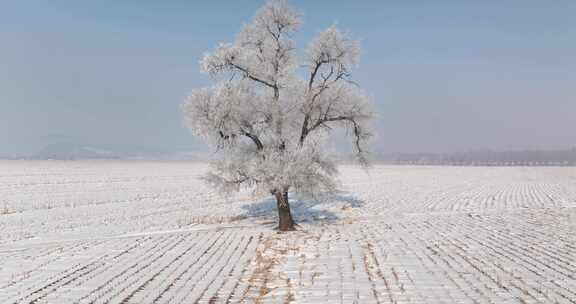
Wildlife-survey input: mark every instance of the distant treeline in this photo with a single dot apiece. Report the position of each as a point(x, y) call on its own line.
point(485, 158)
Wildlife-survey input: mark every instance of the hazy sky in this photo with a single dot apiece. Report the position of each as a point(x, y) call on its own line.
point(446, 75)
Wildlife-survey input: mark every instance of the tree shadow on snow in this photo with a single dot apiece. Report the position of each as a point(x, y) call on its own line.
point(326, 210)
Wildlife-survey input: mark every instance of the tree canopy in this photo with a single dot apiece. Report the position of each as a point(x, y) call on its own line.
point(271, 109)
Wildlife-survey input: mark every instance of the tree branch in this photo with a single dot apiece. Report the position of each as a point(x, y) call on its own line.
point(357, 130)
point(314, 72)
point(255, 139)
point(247, 74)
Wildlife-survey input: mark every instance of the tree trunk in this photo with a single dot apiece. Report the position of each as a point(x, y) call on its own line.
point(285, 221)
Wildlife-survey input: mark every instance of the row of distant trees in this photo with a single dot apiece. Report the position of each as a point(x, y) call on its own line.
point(486, 158)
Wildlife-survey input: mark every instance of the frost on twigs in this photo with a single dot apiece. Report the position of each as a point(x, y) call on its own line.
point(270, 124)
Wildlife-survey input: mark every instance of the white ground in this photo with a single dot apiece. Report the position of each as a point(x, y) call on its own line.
point(151, 232)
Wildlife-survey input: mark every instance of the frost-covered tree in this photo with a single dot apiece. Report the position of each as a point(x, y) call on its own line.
point(271, 109)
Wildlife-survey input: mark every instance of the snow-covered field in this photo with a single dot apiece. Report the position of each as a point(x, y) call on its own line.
point(151, 232)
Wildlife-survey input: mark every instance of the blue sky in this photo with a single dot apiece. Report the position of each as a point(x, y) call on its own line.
point(445, 75)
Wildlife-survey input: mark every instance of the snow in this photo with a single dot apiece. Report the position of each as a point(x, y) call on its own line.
point(152, 232)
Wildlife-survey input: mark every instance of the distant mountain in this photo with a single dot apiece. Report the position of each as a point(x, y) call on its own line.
point(75, 151)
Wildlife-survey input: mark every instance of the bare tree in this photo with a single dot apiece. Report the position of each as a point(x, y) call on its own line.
point(269, 122)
